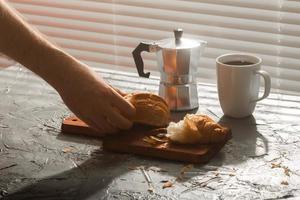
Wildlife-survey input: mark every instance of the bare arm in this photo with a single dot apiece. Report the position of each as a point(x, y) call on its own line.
point(83, 91)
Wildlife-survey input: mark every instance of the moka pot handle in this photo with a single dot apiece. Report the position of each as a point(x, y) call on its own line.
point(137, 56)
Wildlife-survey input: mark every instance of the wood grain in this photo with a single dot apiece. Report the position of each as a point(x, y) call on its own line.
point(131, 141)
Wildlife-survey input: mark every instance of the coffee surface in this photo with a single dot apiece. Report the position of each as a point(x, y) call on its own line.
point(238, 62)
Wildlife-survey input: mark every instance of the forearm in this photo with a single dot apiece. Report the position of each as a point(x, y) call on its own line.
point(83, 91)
point(27, 46)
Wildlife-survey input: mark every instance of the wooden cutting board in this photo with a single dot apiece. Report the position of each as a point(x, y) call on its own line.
point(131, 141)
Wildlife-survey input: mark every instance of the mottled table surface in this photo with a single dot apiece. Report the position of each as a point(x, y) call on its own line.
point(262, 161)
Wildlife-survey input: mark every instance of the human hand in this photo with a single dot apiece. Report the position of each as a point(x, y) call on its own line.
point(83, 91)
point(95, 102)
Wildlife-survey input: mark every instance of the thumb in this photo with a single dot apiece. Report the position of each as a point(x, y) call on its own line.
point(119, 91)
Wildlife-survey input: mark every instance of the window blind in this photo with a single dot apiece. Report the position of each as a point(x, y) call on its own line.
point(103, 33)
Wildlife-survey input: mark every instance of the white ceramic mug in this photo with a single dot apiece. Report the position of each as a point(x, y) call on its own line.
point(239, 82)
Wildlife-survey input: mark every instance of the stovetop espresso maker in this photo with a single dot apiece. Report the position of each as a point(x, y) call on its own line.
point(178, 60)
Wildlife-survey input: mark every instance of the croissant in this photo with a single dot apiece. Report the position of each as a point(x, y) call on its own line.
point(151, 109)
point(195, 128)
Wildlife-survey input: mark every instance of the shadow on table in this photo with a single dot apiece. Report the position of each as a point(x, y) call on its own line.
point(91, 179)
point(245, 138)
point(88, 180)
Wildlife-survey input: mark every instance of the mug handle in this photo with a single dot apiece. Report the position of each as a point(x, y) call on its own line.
point(267, 80)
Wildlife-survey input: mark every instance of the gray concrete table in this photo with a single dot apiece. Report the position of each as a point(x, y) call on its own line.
point(262, 161)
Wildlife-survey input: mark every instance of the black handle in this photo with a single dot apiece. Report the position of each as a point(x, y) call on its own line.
point(139, 63)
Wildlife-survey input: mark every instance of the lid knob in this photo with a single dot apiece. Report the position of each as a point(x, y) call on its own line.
point(178, 34)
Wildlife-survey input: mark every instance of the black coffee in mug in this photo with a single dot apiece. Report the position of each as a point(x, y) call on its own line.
point(238, 62)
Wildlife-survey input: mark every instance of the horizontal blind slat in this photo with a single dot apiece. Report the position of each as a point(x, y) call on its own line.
point(104, 32)
point(200, 29)
point(288, 51)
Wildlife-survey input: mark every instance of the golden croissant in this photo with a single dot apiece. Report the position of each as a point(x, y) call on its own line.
point(151, 109)
point(195, 128)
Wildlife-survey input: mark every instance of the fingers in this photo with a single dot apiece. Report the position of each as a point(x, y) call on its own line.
point(94, 126)
point(101, 125)
point(104, 125)
point(107, 119)
point(118, 120)
point(126, 108)
point(119, 91)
